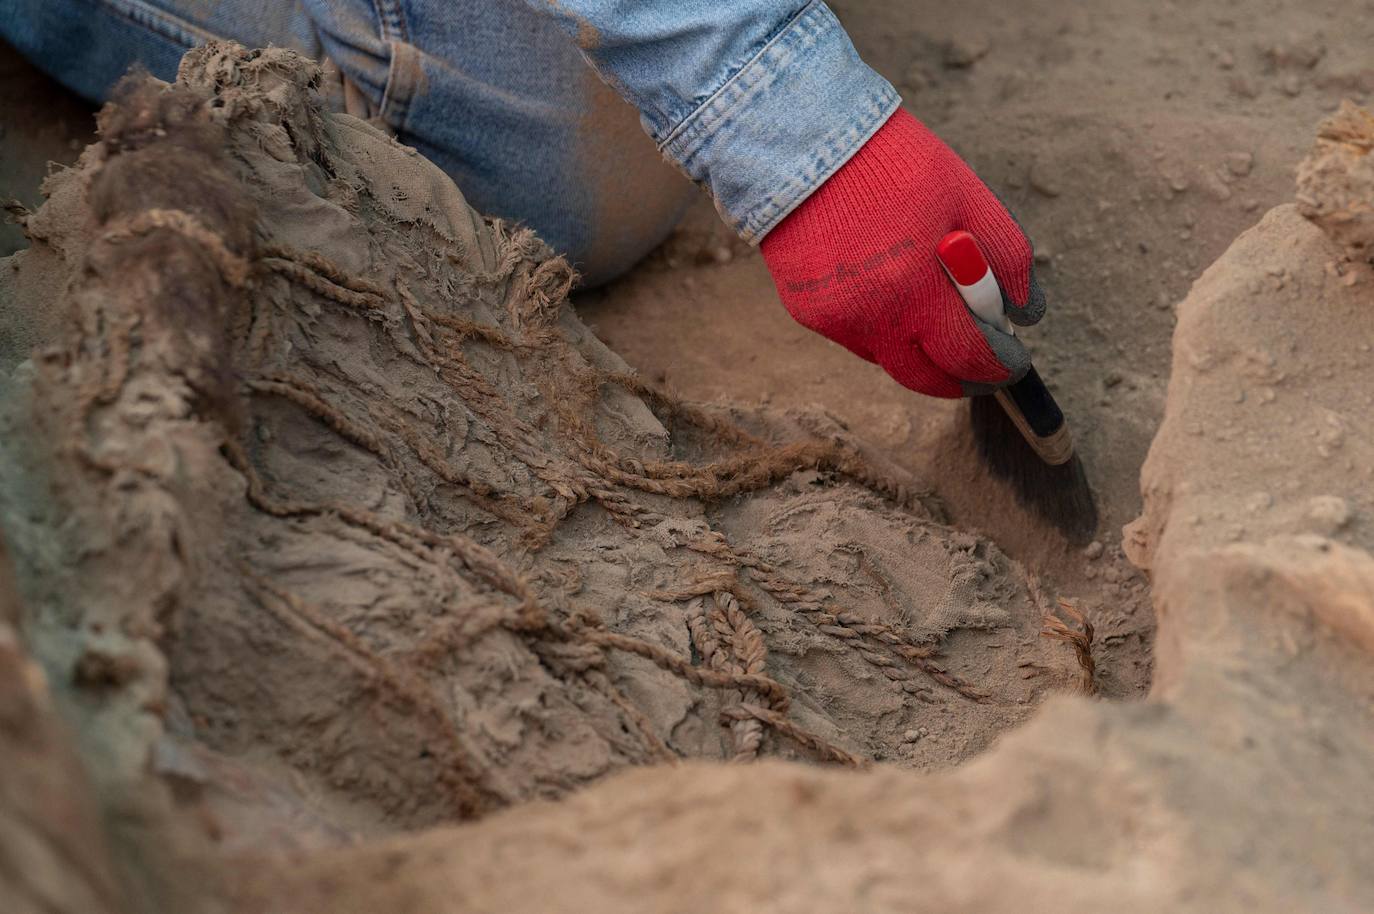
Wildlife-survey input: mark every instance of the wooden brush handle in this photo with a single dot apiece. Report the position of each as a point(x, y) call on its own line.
point(1028, 403)
point(1032, 409)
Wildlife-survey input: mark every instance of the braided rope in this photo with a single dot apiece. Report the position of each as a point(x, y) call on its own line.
point(733, 648)
point(231, 266)
point(750, 652)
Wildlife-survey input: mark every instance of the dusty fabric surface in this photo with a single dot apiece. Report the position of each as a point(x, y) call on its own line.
point(333, 520)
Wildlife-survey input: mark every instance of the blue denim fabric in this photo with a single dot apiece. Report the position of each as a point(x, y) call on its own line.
point(89, 44)
point(759, 101)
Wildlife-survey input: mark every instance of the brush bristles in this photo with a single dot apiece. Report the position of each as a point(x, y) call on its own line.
point(1059, 494)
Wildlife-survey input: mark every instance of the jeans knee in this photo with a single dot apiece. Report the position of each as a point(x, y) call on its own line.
point(627, 215)
point(617, 198)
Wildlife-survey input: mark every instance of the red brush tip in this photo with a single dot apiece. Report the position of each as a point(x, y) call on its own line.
point(961, 256)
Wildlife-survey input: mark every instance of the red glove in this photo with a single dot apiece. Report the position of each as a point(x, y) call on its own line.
point(856, 263)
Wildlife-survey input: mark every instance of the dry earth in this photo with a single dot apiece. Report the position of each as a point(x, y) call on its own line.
point(1134, 145)
point(1134, 140)
point(330, 519)
point(1244, 782)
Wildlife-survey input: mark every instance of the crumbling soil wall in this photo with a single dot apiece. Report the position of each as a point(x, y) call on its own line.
point(1336, 182)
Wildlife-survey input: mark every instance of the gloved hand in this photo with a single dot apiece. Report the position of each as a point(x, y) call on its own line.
point(856, 263)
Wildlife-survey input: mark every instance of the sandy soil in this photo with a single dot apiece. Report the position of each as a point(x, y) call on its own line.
point(1134, 140)
point(412, 544)
point(1241, 785)
point(1134, 147)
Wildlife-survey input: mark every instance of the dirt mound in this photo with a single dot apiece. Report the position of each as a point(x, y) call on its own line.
point(331, 518)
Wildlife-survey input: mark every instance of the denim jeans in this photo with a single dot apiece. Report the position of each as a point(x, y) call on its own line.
point(757, 101)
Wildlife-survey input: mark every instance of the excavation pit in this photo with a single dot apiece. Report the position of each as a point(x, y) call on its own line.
point(410, 537)
point(334, 523)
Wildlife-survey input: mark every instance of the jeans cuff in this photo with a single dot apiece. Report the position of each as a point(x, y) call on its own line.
point(783, 124)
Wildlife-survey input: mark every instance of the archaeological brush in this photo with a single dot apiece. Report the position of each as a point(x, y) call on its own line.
point(1019, 430)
